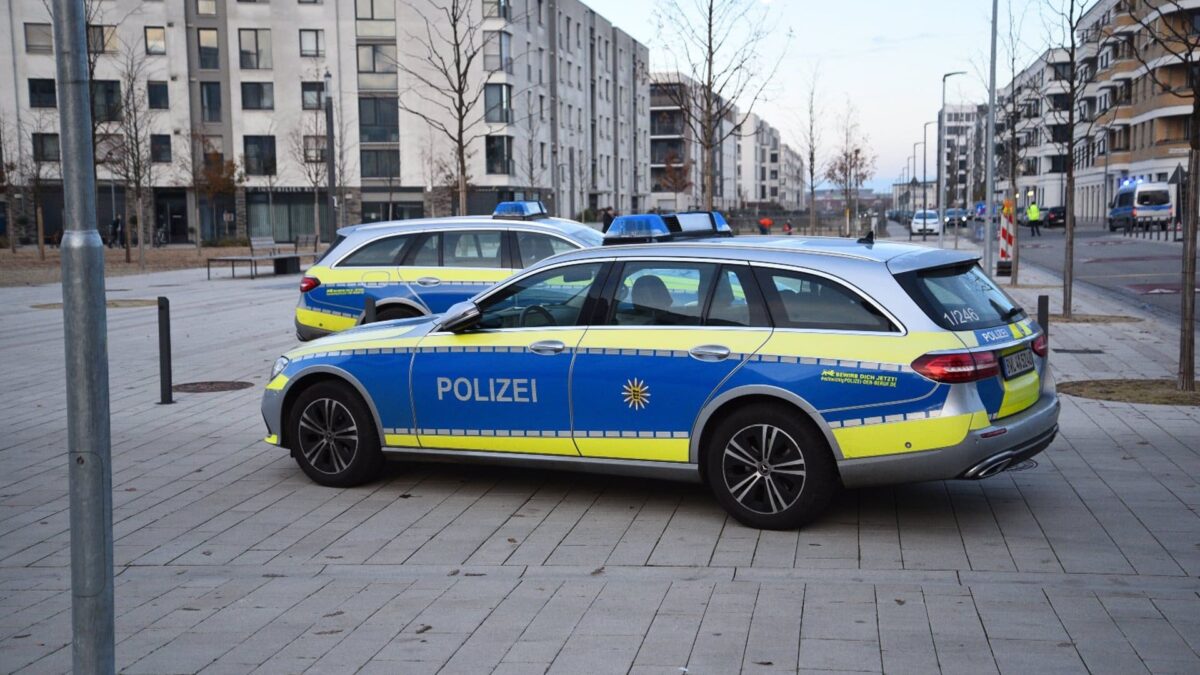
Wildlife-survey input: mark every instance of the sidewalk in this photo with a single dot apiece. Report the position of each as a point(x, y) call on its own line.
point(229, 560)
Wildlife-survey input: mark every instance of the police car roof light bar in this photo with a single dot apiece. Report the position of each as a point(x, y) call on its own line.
point(527, 210)
point(650, 227)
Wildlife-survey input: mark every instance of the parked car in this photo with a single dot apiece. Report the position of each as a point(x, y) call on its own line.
point(1138, 204)
point(1055, 216)
point(956, 217)
point(924, 222)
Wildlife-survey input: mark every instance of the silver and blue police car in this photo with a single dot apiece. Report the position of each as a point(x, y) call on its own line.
point(421, 267)
point(774, 369)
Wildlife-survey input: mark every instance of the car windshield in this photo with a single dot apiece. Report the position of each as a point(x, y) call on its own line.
point(960, 297)
point(1153, 198)
point(927, 215)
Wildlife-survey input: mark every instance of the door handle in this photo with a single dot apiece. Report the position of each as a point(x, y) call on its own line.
point(547, 347)
point(709, 352)
point(428, 281)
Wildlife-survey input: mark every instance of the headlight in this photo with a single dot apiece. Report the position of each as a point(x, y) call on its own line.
point(280, 364)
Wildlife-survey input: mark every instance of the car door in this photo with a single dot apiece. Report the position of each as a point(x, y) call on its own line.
point(503, 385)
point(669, 333)
point(450, 266)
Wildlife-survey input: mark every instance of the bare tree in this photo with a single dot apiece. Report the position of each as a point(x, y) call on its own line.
point(811, 138)
point(9, 176)
point(39, 170)
point(212, 176)
point(132, 156)
point(1011, 151)
point(307, 145)
point(852, 164)
point(443, 50)
point(716, 45)
point(676, 176)
point(1169, 51)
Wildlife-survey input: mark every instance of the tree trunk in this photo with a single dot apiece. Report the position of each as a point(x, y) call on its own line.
point(1016, 252)
point(141, 223)
point(316, 214)
point(812, 205)
point(41, 231)
point(1187, 332)
point(462, 177)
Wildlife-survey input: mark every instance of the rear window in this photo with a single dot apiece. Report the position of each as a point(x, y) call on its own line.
point(1153, 198)
point(336, 242)
point(960, 297)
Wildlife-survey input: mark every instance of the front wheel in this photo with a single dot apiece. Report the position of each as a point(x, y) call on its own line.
point(333, 436)
point(768, 470)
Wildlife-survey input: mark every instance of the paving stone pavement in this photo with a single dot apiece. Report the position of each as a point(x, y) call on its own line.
point(229, 560)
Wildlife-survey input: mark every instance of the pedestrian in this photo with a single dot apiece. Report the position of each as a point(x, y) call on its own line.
point(606, 217)
point(1034, 216)
point(764, 225)
point(787, 227)
point(114, 238)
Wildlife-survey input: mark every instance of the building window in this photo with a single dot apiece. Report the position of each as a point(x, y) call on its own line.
point(380, 163)
point(210, 101)
point(39, 38)
point(497, 9)
point(106, 100)
point(374, 9)
point(499, 154)
point(260, 155)
point(311, 95)
point(45, 147)
point(254, 48)
point(102, 39)
point(258, 96)
point(42, 94)
point(206, 7)
point(156, 96)
point(156, 40)
point(209, 48)
point(160, 148)
point(379, 120)
point(377, 58)
point(497, 51)
point(497, 100)
point(314, 149)
point(312, 42)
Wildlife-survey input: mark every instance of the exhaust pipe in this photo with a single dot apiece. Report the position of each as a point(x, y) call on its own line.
point(989, 467)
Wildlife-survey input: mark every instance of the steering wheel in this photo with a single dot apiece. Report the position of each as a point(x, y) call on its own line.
point(522, 321)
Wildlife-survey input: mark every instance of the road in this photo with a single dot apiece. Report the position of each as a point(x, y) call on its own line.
point(1145, 272)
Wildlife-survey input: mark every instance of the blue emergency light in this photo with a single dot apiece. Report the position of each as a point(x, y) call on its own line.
point(649, 227)
point(528, 210)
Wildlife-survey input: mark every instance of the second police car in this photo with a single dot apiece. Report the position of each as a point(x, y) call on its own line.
point(420, 267)
point(774, 369)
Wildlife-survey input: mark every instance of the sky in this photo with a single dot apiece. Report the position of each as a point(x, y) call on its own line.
point(884, 57)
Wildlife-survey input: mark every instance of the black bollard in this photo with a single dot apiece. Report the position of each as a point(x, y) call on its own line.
point(164, 351)
point(369, 310)
point(1044, 315)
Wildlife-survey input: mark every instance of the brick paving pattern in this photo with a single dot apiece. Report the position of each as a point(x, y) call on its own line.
point(229, 560)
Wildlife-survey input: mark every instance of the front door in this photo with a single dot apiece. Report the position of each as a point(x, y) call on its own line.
point(674, 331)
point(503, 385)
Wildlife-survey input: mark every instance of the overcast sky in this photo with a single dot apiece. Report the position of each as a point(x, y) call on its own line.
point(886, 57)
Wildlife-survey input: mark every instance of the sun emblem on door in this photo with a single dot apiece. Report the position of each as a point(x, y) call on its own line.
point(636, 393)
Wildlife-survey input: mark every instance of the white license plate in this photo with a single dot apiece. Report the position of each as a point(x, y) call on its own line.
point(1018, 364)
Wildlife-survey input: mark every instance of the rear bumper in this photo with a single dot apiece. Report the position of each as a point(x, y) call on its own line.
point(305, 333)
point(983, 453)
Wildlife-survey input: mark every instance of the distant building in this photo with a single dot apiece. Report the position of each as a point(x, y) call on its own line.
point(676, 181)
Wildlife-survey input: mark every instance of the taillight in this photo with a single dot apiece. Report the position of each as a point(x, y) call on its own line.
point(1040, 345)
point(309, 283)
point(958, 367)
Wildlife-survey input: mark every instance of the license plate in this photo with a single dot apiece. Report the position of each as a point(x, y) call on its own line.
point(1017, 364)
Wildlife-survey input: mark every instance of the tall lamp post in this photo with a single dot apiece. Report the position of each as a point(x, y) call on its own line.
point(941, 202)
point(330, 165)
point(924, 176)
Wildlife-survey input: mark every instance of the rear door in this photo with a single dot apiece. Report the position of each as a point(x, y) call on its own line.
point(370, 269)
point(962, 299)
point(447, 267)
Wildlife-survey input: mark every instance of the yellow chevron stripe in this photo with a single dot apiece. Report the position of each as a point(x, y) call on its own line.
point(897, 438)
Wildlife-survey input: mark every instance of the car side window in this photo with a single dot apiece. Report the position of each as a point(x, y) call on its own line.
point(381, 252)
point(661, 293)
point(799, 300)
point(551, 298)
point(425, 253)
point(469, 248)
point(735, 301)
point(535, 246)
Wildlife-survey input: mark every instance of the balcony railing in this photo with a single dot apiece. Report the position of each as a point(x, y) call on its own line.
point(375, 28)
point(378, 81)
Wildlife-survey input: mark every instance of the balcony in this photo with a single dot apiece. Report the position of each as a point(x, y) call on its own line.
point(375, 28)
point(378, 81)
point(494, 63)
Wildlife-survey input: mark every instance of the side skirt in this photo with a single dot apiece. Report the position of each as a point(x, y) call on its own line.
point(676, 471)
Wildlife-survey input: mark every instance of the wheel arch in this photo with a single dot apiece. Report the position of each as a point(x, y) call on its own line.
point(393, 301)
point(734, 399)
point(313, 376)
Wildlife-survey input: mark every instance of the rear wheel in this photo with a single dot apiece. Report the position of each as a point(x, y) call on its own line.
point(769, 470)
point(333, 436)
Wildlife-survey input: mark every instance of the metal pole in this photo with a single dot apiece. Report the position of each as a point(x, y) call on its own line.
point(1044, 315)
point(925, 177)
point(164, 351)
point(85, 329)
point(990, 139)
point(330, 165)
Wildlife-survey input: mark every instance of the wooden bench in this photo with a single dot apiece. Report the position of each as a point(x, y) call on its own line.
point(263, 249)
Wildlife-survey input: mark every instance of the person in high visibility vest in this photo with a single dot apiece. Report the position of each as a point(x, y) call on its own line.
point(1034, 216)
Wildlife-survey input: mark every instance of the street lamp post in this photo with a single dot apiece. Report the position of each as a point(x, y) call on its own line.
point(989, 168)
point(330, 165)
point(941, 202)
point(924, 176)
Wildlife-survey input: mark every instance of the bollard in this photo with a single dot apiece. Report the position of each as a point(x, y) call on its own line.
point(1044, 315)
point(164, 351)
point(369, 310)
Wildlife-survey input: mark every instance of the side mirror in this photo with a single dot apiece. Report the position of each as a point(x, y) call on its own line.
point(460, 317)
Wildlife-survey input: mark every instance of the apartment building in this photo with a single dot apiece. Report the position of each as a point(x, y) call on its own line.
point(676, 165)
point(770, 172)
point(958, 152)
point(562, 112)
point(1035, 104)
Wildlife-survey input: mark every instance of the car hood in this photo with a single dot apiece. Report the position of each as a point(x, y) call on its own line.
point(381, 331)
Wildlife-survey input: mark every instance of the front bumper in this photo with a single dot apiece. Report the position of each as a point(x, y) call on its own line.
point(980, 455)
point(272, 413)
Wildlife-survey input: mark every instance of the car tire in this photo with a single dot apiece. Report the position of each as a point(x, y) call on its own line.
point(333, 436)
point(392, 313)
point(789, 487)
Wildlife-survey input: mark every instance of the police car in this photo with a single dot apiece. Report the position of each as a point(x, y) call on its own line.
point(774, 369)
point(420, 267)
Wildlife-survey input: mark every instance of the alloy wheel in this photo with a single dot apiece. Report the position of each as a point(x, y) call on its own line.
point(763, 468)
point(328, 436)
